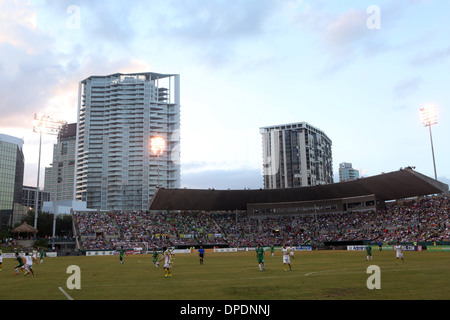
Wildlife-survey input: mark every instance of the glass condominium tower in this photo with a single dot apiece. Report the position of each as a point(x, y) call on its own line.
point(118, 115)
point(296, 155)
point(12, 164)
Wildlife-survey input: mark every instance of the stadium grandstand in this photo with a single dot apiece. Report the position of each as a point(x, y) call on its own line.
point(403, 206)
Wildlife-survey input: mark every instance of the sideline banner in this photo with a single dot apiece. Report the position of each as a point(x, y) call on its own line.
point(438, 248)
point(303, 248)
point(225, 249)
point(99, 253)
point(11, 255)
point(386, 247)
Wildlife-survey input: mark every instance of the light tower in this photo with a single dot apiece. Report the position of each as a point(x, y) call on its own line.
point(157, 146)
point(429, 117)
point(44, 124)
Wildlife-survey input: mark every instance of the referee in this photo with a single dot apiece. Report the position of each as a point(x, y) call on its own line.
point(201, 254)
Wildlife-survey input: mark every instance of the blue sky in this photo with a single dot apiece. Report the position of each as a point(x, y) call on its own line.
point(244, 64)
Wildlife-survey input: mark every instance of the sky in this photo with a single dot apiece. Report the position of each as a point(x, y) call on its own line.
point(358, 70)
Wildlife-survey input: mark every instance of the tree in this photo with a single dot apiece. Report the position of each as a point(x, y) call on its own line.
point(45, 224)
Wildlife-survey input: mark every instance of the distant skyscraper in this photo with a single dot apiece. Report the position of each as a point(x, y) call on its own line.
point(346, 172)
point(118, 115)
point(296, 155)
point(63, 165)
point(12, 164)
point(29, 196)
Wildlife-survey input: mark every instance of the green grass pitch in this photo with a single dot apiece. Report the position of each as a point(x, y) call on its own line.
point(316, 275)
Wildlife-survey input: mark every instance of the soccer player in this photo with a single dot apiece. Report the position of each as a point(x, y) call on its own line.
point(399, 254)
point(29, 264)
point(166, 258)
point(42, 253)
point(172, 256)
point(291, 251)
point(201, 254)
point(260, 258)
point(1, 260)
point(155, 258)
point(286, 258)
point(20, 266)
point(34, 255)
point(272, 250)
point(369, 252)
point(121, 253)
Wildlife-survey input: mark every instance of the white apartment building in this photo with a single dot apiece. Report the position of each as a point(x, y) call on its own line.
point(296, 155)
point(60, 177)
point(118, 114)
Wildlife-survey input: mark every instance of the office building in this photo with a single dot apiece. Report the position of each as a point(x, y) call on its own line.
point(296, 155)
point(12, 164)
point(29, 196)
point(118, 115)
point(347, 173)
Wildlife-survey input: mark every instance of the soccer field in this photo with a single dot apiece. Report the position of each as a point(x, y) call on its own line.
point(316, 275)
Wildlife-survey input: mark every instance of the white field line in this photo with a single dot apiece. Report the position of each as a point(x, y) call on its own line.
point(65, 293)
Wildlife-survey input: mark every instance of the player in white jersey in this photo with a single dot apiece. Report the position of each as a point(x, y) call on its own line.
point(291, 251)
point(34, 255)
point(166, 257)
point(29, 264)
point(1, 260)
point(286, 258)
point(399, 254)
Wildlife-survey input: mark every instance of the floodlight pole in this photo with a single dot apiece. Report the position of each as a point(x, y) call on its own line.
point(158, 147)
point(429, 117)
point(432, 152)
point(53, 127)
point(157, 186)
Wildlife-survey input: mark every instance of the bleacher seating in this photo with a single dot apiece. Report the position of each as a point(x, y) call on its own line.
point(417, 220)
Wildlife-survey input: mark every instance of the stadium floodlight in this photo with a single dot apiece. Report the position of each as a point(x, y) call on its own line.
point(43, 124)
point(429, 117)
point(158, 146)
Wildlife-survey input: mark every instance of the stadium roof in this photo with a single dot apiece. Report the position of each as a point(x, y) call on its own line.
point(401, 184)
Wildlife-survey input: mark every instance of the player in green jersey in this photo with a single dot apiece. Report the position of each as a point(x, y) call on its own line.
point(20, 266)
point(260, 258)
point(121, 253)
point(369, 252)
point(155, 258)
point(42, 253)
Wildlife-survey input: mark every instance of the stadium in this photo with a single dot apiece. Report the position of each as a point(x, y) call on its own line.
point(329, 228)
point(335, 215)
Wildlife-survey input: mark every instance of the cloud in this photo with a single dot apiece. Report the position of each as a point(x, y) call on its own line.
point(346, 31)
point(41, 68)
point(434, 57)
point(407, 87)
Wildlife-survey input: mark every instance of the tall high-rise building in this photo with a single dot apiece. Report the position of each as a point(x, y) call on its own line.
point(296, 155)
point(60, 177)
point(118, 115)
point(12, 164)
point(347, 173)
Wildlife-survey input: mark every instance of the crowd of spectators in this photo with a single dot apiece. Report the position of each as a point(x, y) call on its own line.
point(425, 220)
